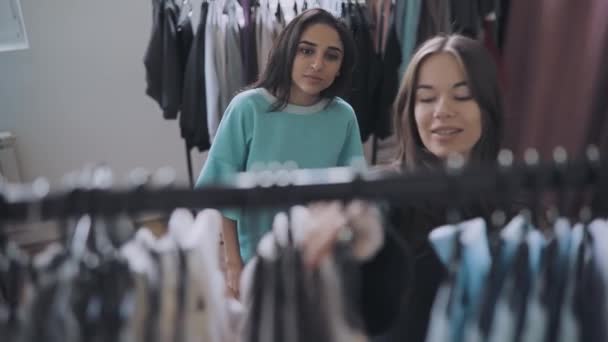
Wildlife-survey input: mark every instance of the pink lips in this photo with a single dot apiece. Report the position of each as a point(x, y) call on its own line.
point(446, 131)
point(313, 78)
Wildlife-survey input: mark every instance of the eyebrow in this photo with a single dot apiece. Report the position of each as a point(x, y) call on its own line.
point(456, 85)
point(335, 48)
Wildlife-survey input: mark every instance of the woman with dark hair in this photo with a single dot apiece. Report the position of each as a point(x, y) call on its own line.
point(448, 104)
point(292, 114)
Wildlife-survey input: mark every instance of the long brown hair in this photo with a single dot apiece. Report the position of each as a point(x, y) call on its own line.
point(276, 77)
point(482, 78)
point(414, 222)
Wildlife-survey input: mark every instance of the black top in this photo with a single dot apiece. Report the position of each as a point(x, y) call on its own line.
point(193, 119)
point(359, 95)
point(400, 283)
point(166, 55)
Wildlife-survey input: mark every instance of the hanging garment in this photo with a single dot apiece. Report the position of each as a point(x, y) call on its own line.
point(598, 123)
point(490, 44)
point(248, 41)
point(312, 305)
point(261, 36)
point(546, 287)
point(185, 36)
point(595, 291)
point(212, 87)
point(503, 8)
point(383, 75)
point(193, 119)
point(536, 92)
point(531, 303)
point(568, 328)
point(162, 57)
point(510, 241)
point(153, 60)
point(386, 13)
point(434, 19)
point(170, 275)
point(204, 315)
point(498, 318)
point(409, 30)
point(388, 87)
point(165, 57)
point(400, 13)
point(277, 23)
point(528, 259)
point(145, 277)
point(466, 17)
point(558, 273)
point(533, 328)
point(474, 262)
point(13, 287)
point(235, 74)
point(221, 59)
point(358, 97)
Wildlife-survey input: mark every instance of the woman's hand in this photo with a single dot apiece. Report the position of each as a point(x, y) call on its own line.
point(232, 257)
point(358, 222)
point(327, 220)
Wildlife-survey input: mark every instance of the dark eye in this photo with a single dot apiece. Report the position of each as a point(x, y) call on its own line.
point(306, 51)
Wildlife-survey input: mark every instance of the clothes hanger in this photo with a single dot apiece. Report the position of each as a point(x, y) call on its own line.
point(185, 13)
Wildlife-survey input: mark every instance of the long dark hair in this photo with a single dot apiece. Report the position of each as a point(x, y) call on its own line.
point(482, 78)
point(276, 77)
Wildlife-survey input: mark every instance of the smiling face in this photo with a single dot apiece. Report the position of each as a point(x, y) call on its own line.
point(448, 118)
point(316, 63)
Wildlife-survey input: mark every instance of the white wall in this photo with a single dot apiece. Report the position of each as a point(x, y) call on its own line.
point(78, 94)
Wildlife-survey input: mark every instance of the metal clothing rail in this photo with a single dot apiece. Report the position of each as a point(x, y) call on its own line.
point(458, 185)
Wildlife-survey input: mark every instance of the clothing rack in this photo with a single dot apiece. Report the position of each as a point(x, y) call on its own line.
point(458, 185)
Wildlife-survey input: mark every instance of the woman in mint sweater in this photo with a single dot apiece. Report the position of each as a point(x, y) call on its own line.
point(292, 114)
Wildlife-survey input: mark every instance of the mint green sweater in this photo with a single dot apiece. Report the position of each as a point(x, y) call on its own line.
point(319, 136)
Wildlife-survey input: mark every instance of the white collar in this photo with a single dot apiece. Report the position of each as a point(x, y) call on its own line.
point(295, 109)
